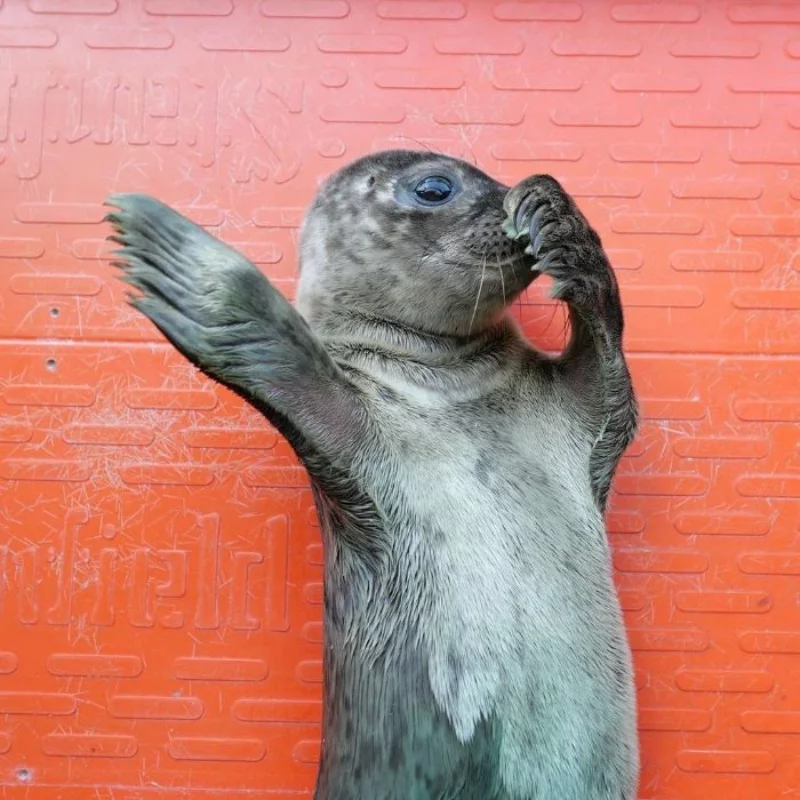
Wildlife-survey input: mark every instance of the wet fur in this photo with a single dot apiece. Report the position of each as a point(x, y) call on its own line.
point(474, 646)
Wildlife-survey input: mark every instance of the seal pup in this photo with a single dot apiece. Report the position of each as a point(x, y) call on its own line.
point(474, 645)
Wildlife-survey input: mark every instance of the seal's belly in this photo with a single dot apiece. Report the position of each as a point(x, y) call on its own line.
point(499, 564)
point(522, 621)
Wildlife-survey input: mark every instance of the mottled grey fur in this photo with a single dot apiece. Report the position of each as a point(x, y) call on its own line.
point(474, 646)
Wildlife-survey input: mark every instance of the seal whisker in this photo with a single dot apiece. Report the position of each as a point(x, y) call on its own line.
point(480, 288)
point(424, 145)
point(517, 302)
point(502, 280)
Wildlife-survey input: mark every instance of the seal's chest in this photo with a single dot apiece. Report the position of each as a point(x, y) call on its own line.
point(493, 455)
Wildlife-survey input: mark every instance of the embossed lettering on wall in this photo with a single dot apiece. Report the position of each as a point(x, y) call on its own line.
point(197, 584)
point(242, 123)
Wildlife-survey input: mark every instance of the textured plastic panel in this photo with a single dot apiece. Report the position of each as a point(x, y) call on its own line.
point(159, 556)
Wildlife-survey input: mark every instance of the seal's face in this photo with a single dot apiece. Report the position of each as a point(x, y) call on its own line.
point(411, 237)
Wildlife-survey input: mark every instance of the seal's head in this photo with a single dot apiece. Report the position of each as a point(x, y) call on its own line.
point(412, 238)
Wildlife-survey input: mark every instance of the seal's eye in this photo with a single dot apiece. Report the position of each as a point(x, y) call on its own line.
point(433, 190)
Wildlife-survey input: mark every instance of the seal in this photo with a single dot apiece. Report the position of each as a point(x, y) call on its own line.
point(474, 645)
